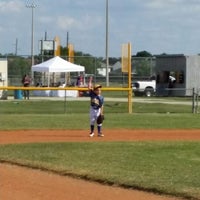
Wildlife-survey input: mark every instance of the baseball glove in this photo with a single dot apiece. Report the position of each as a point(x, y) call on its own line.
point(100, 119)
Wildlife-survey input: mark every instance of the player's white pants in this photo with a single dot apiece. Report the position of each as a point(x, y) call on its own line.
point(94, 113)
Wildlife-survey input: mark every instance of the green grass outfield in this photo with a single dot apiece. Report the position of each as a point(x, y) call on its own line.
point(114, 105)
point(161, 167)
point(112, 121)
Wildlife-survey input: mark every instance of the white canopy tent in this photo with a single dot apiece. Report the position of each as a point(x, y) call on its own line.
point(57, 64)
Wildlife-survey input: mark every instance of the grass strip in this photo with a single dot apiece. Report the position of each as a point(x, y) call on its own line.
point(112, 121)
point(162, 167)
point(71, 107)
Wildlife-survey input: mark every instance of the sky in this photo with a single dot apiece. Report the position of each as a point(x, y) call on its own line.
point(156, 26)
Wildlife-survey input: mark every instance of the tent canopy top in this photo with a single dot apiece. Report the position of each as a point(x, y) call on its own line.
point(57, 64)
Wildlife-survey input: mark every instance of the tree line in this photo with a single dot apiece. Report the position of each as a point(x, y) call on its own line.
point(20, 65)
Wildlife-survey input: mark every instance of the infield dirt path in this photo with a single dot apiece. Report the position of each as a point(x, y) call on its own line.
point(19, 183)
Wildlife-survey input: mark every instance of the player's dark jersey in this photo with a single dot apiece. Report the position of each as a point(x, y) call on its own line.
point(96, 100)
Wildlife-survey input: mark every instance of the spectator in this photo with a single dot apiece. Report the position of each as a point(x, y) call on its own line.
point(26, 81)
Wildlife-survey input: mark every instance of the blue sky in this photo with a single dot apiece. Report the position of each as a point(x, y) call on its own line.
point(157, 26)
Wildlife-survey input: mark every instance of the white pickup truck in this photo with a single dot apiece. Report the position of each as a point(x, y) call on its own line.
point(147, 88)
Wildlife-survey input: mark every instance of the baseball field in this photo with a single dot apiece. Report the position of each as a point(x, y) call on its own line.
point(142, 156)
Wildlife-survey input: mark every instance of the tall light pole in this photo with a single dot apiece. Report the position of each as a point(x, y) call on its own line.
point(32, 6)
point(107, 57)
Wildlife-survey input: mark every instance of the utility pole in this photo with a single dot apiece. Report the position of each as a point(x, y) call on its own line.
point(32, 6)
point(67, 44)
point(16, 47)
point(45, 35)
point(107, 57)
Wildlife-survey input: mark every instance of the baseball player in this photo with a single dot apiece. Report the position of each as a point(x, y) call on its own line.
point(96, 109)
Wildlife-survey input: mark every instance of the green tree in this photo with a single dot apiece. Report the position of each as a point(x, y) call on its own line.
point(17, 67)
point(143, 64)
point(88, 61)
point(143, 54)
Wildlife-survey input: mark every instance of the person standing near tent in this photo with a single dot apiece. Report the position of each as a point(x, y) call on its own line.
point(26, 81)
point(96, 109)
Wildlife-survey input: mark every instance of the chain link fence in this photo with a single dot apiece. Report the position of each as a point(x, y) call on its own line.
point(142, 69)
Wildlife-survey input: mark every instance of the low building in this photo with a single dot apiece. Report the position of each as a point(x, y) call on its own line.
point(102, 70)
point(177, 75)
point(3, 75)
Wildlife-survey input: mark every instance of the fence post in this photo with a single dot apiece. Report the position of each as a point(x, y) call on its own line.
point(193, 100)
point(197, 100)
point(65, 101)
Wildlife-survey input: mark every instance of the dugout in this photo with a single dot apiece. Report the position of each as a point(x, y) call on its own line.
point(176, 75)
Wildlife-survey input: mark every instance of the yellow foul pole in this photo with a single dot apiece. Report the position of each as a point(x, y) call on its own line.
point(126, 68)
point(129, 80)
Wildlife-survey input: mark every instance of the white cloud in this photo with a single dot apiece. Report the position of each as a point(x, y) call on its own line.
point(172, 6)
point(163, 4)
point(11, 6)
point(86, 22)
point(46, 19)
point(153, 25)
point(66, 23)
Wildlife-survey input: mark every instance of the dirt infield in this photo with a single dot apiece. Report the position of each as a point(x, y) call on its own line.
point(26, 136)
point(19, 183)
